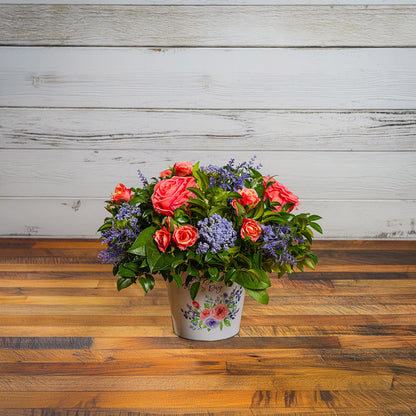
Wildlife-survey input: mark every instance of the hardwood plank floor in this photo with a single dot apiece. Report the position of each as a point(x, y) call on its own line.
point(337, 341)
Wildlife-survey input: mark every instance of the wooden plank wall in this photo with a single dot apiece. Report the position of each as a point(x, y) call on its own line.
point(323, 92)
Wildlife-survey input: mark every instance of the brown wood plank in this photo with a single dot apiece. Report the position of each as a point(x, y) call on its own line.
point(279, 400)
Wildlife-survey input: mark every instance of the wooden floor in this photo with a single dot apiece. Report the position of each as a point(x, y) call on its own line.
point(338, 341)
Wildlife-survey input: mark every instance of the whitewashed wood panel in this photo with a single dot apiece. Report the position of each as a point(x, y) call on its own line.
point(253, 78)
point(227, 130)
point(112, 25)
point(212, 2)
point(311, 175)
point(82, 217)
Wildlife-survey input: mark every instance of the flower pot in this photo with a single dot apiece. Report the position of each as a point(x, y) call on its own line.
point(213, 315)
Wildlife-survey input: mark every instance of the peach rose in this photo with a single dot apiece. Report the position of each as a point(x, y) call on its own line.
point(249, 199)
point(170, 194)
point(250, 229)
point(121, 193)
point(277, 192)
point(185, 236)
point(165, 174)
point(162, 238)
point(183, 168)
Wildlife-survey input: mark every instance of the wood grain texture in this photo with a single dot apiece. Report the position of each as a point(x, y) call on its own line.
point(216, 2)
point(247, 78)
point(360, 219)
point(254, 26)
point(225, 130)
point(329, 342)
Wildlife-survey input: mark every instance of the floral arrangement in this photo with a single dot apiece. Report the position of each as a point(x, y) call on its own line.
point(222, 223)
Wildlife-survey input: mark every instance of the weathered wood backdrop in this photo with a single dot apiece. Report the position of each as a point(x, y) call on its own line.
point(324, 93)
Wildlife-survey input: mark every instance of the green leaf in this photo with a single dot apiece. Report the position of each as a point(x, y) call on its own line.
point(314, 218)
point(259, 295)
point(259, 211)
point(150, 280)
point(198, 202)
point(126, 272)
point(191, 270)
point(256, 261)
point(245, 259)
point(152, 254)
point(234, 195)
point(123, 282)
point(181, 217)
point(195, 289)
point(137, 200)
point(164, 262)
point(201, 178)
point(199, 211)
point(213, 272)
point(139, 246)
point(227, 322)
point(309, 264)
point(313, 256)
point(144, 283)
point(230, 276)
point(251, 280)
point(240, 209)
point(316, 227)
point(197, 192)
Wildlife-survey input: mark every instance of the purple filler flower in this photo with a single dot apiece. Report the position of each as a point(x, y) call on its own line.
point(211, 323)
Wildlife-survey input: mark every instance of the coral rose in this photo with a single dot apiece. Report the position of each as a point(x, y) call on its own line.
point(220, 312)
point(185, 236)
point(170, 194)
point(183, 168)
point(249, 199)
point(121, 193)
point(162, 239)
point(250, 229)
point(277, 192)
point(165, 174)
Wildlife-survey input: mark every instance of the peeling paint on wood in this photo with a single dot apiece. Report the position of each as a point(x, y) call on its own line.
point(244, 78)
point(137, 130)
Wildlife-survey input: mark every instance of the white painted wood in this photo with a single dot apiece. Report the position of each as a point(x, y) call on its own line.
point(255, 78)
point(213, 2)
point(281, 26)
point(226, 130)
point(81, 218)
point(311, 175)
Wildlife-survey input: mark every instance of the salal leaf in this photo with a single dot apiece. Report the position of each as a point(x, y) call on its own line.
point(195, 289)
point(259, 295)
point(123, 282)
point(139, 246)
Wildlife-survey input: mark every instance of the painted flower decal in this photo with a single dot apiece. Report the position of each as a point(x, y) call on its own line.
point(214, 312)
point(220, 312)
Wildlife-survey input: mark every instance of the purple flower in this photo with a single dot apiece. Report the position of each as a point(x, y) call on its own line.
point(121, 235)
point(215, 234)
point(211, 323)
point(277, 240)
point(142, 177)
